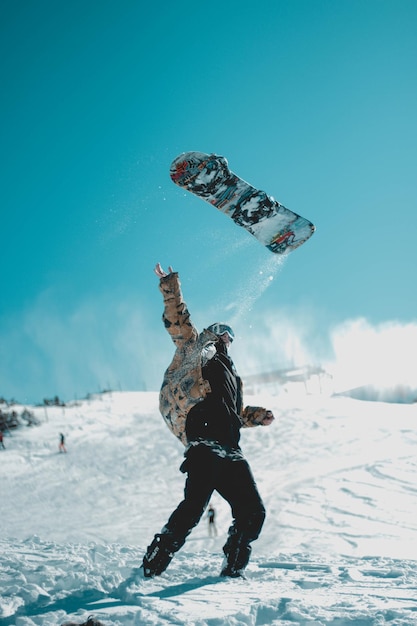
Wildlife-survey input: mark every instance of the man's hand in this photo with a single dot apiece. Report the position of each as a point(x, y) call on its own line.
point(160, 272)
point(268, 419)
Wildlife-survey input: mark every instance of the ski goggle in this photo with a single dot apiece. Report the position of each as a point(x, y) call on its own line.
point(219, 329)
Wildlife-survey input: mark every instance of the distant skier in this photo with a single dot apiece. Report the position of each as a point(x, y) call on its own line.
point(201, 402)
point(1, 441)
point(211, 515)
point(62, 447)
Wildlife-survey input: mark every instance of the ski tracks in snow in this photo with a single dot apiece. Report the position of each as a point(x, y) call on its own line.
point(47, 584)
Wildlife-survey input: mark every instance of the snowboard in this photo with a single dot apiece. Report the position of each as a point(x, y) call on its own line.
point(208, 176)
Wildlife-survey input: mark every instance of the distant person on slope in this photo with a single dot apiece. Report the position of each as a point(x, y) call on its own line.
point(1, 441)
point(211, 516)
point(62, 447)
point(201, 402)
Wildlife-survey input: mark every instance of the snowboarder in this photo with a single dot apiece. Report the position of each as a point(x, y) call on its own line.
point(62, 443)
point(211, 514)
point(201, 402)
point(1, 441)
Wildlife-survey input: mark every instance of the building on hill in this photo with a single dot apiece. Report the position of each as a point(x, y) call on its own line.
point(312, 379)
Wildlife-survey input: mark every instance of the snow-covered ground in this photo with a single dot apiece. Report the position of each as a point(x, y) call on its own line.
point(338, 477)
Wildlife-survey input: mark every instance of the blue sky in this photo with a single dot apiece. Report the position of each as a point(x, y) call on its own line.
point(313, 101)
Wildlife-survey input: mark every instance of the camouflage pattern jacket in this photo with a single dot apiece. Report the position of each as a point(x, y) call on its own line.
point(183, 385)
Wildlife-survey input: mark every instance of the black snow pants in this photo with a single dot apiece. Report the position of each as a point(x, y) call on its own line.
point(233, 480)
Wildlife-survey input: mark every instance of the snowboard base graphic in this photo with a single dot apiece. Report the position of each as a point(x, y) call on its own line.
point(208, 176)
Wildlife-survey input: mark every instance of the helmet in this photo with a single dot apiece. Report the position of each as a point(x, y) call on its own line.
point(219, 329)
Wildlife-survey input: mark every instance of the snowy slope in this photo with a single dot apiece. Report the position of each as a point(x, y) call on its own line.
point(338, 546)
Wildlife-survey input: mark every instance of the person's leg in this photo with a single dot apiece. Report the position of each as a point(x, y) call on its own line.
point(200, 466)
point(237, 485)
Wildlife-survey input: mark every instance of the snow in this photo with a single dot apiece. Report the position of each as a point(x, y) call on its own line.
point(338, 547)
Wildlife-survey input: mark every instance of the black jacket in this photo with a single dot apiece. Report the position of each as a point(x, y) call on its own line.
point(216, 418)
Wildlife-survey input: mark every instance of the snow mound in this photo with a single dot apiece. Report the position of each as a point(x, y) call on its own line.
point(59, 582)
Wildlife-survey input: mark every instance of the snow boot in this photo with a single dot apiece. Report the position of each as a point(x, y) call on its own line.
point(159, 555)
point(237, 552)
